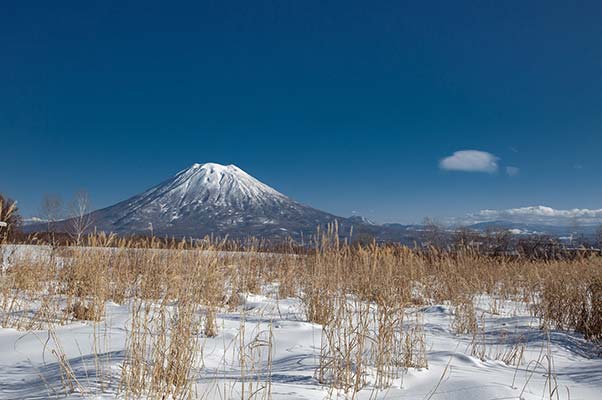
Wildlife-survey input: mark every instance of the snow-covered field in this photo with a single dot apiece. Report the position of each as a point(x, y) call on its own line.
point(557, 365)
point(29, 367)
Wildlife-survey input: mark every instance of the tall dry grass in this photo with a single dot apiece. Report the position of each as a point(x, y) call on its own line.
point(366, 299)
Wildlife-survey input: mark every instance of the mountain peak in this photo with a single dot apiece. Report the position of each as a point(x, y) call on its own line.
point(214, 168)
point(212, 165)
point(210, 184)
point(211, 198)
point(212, 181)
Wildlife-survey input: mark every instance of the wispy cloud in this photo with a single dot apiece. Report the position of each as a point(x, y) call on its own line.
point(512, 171)
point(470, 161)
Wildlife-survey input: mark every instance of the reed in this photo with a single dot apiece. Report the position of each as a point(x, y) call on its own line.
point(366, 300)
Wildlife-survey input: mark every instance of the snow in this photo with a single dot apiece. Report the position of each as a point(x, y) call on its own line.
point(30, 370)
point(30, 362)
point(211, 183)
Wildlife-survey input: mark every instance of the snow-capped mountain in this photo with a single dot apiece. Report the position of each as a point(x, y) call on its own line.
point(358, 219)
point(211, 199)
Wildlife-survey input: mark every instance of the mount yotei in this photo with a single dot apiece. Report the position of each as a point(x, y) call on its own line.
point(211, 199)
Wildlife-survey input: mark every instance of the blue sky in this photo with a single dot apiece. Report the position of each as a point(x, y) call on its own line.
point(348, 106)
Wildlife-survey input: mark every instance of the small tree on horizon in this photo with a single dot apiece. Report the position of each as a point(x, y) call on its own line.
point(51, 210)
point(80, 219)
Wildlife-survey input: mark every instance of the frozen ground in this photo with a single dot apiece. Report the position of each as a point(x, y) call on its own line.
point(557, 365)
point(29, 368)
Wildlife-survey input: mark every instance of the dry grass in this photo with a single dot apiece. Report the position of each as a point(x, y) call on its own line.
point(366, 298)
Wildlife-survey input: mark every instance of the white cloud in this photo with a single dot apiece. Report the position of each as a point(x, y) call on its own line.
point(470, 161)
point(512, 171)
point(540, 215)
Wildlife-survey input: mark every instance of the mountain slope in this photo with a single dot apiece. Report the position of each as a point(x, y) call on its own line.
point(211, 199)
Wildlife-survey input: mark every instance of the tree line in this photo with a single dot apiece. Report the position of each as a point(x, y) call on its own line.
point(72, 218)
